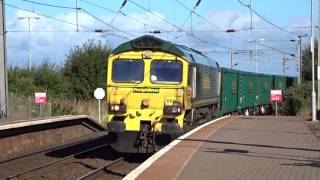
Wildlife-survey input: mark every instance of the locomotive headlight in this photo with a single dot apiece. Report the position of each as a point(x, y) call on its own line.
point(116, 107)
point(172, 110)
point(147, 54)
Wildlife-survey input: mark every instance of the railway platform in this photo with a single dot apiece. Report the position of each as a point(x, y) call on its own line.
point(254, 147)
point(18, 137)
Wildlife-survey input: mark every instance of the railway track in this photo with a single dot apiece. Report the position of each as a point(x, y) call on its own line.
point(87, 159)
point(95, 173)
point(90, 157)
point(56, 148)
point(16, 175)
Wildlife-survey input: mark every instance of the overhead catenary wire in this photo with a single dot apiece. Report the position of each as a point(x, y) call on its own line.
point(176, 28)
point(217, 27)
point(45, 31)
point(49, 17)
point(125, 15)
point(165, 20)
point(78, 8)
point(49, 5)
point(156, 29)
point(266, 20)
point(197, 4)
point(237, 51)
point(107, 24)
point(63, 21)
point(117, 13)
point(185, 22)
point(161, 18)
point(190, 16)
point(101, 7)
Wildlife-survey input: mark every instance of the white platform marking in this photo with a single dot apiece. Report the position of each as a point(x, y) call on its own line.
point(25, 123)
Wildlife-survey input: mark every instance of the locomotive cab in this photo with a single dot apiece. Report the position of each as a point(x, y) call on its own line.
point(145, 97)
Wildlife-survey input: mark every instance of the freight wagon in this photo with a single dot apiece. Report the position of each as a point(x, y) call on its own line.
point(246, 92)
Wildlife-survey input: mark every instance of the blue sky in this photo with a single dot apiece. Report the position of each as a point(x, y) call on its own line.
point(53, 39)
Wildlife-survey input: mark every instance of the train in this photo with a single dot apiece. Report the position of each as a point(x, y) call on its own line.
point(156, 89)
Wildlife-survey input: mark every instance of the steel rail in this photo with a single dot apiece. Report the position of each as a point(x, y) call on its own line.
point(91, 173)
point(56, 161)
point(55, 148)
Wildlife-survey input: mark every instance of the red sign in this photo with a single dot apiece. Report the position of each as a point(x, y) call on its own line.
point(40, 98)
point(276, 95)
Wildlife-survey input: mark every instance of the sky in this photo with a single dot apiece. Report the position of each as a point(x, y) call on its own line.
point(54, 33)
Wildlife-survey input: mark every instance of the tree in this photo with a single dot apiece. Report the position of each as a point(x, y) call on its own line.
point(49, 77)
point(307, 62)
point(297, 99)
point(85, 68)
point(44, 77)
point(20, 81)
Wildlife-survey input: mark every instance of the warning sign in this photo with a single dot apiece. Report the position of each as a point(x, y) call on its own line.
point(40, 98)
point(276, 95)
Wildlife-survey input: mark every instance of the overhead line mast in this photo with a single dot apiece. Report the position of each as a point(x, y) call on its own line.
point(318, 68)
point(3, 66)
point(313, 94)
point(77, 9)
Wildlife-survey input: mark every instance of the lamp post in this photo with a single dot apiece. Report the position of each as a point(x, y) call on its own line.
point(231, 62)
point(299, 61)
point(257, 53)
point(231, 50)
point(29, 30)
point(313, 94)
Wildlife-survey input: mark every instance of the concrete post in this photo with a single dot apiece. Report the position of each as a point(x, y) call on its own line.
point(3, 65)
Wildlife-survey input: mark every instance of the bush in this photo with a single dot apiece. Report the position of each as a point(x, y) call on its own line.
point(297, 99)
point(83, 71)
point(86, 69)
point(45, 77)
point(62, 108)
point(21, 81)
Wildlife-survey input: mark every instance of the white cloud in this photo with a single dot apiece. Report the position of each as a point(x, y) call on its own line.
point(58, 38)
point(51, 38)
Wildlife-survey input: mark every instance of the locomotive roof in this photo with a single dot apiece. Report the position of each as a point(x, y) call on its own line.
point(148, 42)
point(244, 72)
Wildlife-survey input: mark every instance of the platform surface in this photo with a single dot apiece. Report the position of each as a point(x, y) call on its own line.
point(245, 148)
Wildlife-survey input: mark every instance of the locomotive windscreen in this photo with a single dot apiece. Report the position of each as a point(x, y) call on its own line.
point(166, 72)
point(127, 71)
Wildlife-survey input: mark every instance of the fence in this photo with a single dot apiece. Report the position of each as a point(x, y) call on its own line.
point(21, 107)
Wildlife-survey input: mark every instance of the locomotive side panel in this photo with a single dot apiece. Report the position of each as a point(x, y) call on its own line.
point(206, 88)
